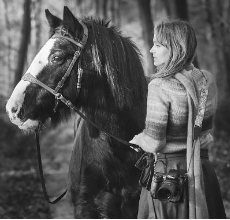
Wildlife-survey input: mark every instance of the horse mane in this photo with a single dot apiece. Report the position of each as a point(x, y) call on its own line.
point(119, 60)
point(117, 88)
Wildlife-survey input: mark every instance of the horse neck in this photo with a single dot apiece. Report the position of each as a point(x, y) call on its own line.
point(113, 116)
point(122, 124)
point(105, 119)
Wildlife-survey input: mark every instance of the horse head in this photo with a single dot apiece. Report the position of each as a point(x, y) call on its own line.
point(31, 104)
point(106, 65)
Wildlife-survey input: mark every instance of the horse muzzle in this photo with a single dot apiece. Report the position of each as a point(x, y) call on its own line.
point(13, 111)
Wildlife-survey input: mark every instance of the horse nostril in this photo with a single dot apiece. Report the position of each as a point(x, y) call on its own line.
point(14, 109)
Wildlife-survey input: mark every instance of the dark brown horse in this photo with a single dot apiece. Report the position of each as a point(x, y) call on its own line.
point(104, 78)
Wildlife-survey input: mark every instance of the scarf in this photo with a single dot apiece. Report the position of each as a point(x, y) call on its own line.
point(197, 200)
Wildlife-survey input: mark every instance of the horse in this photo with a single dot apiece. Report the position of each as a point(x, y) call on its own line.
point(90, 65)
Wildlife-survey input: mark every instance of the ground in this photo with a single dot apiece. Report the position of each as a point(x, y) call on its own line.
point(21, 194)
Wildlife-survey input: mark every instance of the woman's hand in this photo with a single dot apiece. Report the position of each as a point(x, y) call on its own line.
point(133, 141)
point(134, 145)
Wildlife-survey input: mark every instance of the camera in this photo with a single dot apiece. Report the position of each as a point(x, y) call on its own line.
point(169, 187)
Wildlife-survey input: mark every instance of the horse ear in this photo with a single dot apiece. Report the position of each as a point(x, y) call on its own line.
point(52, 20)
point(70, 22)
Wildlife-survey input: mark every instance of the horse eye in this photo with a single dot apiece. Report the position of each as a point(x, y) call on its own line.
point(55, 59)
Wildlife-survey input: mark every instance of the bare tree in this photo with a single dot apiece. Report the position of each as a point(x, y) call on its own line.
point(115, 11)
point(218, 19)
point(8, 29)
point(25, 38)
point(147, 31)
point(37, 21)
point(97, 8)
point(179, 9)
point(6, 59)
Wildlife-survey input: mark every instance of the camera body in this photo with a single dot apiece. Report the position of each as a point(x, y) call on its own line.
point(168, 187)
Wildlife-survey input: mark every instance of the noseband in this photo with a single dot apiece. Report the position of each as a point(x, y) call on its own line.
point(80, 46)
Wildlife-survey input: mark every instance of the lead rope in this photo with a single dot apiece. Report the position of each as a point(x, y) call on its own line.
point(154, 171)
point(42, 174)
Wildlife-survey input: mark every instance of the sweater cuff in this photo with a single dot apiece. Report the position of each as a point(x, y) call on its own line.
point(147, 143)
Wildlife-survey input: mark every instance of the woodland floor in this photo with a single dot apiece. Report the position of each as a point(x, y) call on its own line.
point(21, 195)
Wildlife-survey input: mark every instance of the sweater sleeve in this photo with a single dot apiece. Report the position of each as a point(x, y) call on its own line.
point(153, 138)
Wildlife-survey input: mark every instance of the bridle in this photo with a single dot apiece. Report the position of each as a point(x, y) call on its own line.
point(59, 97)
point(80, 46)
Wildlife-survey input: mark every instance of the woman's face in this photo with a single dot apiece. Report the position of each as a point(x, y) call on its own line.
point(159, 52)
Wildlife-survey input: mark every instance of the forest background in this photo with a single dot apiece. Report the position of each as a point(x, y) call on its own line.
point(23, 31)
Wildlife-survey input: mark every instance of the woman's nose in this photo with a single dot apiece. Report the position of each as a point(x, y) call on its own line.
point(151, 50)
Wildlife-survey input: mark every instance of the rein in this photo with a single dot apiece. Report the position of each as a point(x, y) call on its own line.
point(42, 175)
point(60, 97)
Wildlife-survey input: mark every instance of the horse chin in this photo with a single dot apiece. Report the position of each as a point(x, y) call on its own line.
point(29, 125)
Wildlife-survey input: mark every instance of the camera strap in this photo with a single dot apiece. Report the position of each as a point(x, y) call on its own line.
point(200, 115)
point(197, 97)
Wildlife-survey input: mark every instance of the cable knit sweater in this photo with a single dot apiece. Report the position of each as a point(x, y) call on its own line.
point(167, 114)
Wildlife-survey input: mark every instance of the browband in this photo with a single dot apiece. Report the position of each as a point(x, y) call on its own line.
point(81, 43)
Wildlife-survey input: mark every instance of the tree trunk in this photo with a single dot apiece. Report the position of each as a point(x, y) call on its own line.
point(25, 38)
point(219, 39)
point(105, 14)
point(225, 31)
point(6, 59)
point(147, 31)
point(179, 9)
point(97, 8)
point(115, 12)
point(37, 20)
point(112, 11)
point(182, 9)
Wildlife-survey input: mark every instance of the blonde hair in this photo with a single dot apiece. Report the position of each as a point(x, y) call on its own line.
point(180, 39)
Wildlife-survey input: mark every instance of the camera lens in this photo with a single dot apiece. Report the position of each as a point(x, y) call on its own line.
point(166, 191)
point(164, 194)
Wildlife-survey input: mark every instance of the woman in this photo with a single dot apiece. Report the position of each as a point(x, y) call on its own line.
point(177, 93)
